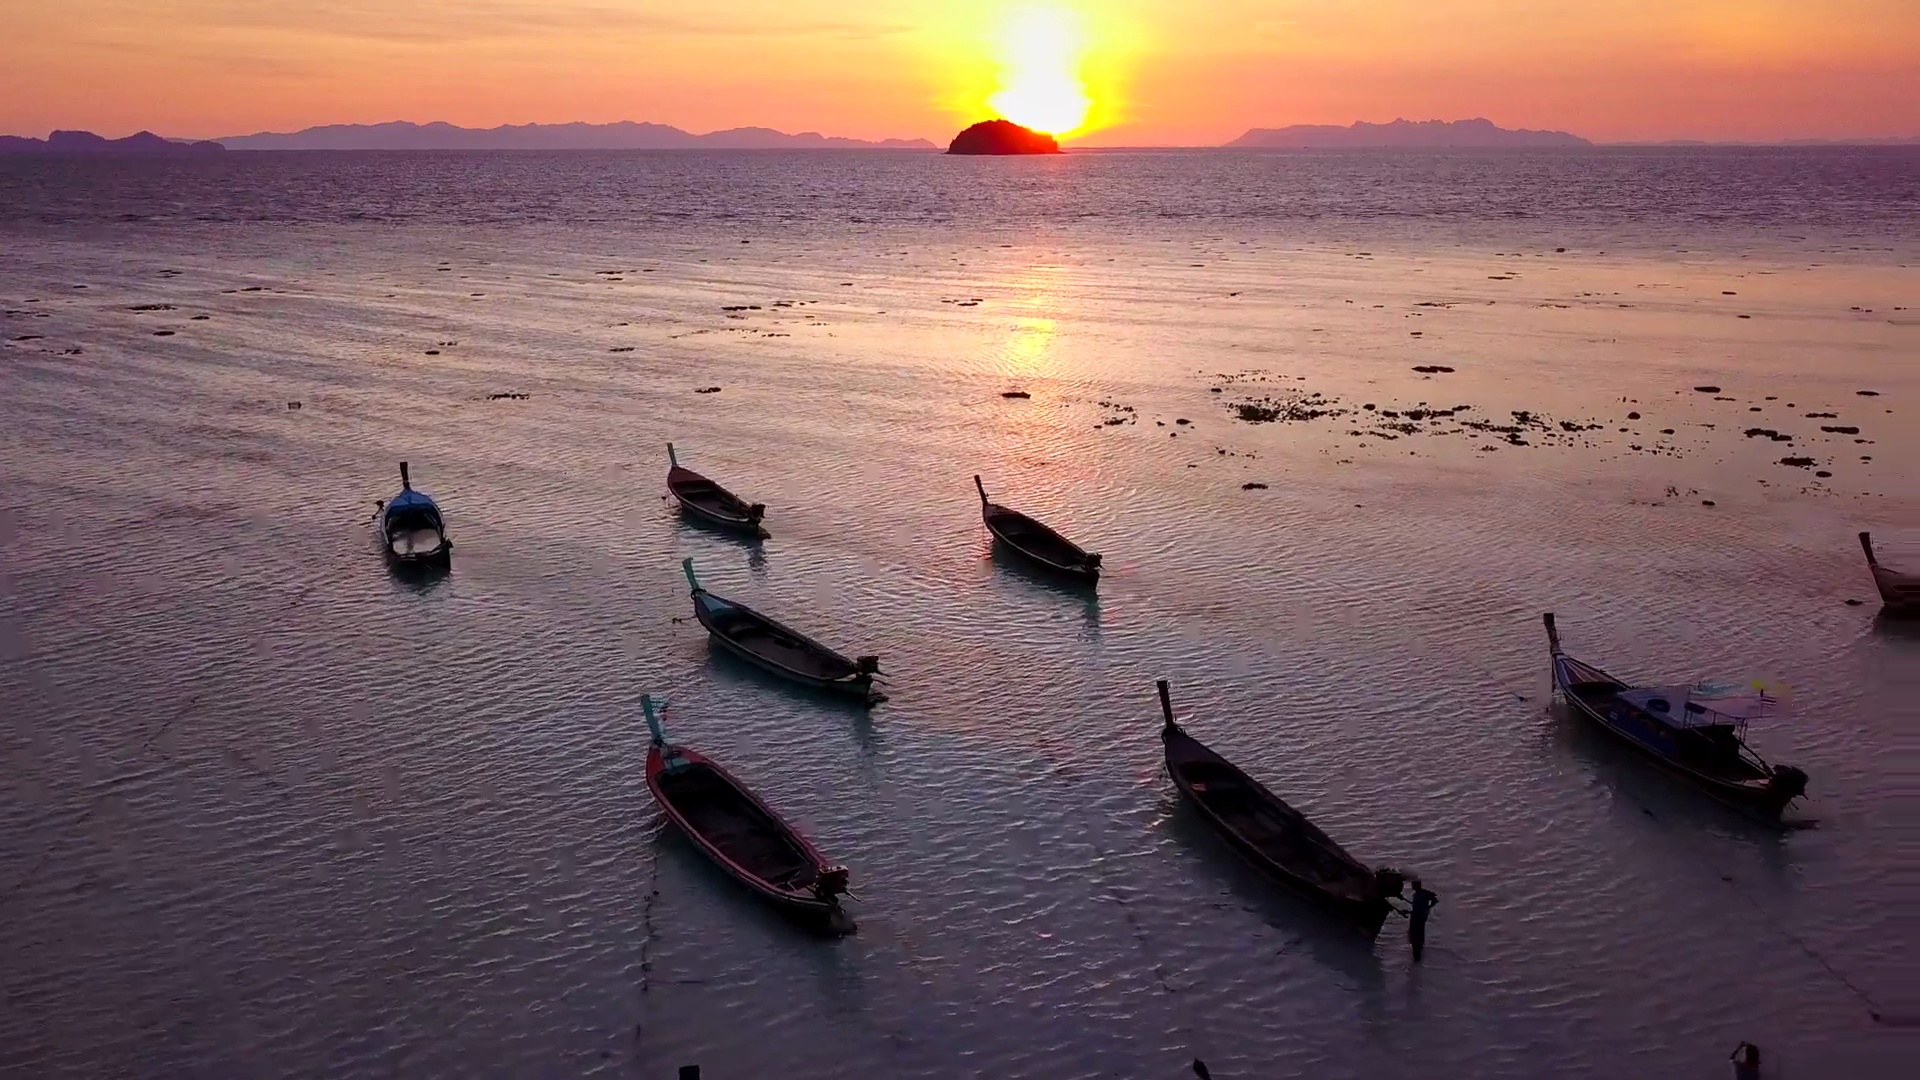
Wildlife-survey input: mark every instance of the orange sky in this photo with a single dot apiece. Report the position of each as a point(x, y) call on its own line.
point(1159, 72)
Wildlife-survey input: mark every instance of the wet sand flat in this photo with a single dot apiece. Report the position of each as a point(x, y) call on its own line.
point(265, 802)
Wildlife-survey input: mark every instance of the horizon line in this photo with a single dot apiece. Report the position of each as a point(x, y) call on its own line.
point(1070, 142)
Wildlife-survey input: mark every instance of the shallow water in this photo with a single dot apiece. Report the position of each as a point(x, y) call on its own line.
point(271, 810)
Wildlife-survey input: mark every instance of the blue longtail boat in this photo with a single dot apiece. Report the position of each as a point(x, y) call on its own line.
point(411, 527)
point(1697, 731)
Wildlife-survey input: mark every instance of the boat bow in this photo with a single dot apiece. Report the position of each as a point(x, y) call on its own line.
point(1899, 592)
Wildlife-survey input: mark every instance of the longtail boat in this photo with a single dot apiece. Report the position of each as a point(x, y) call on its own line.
point(1899, 592)
point(1698, 731)
point(1276, 838)
point(780, 649)
point(741, 834)
point(411, 528)
point(710, 502)
point(1036, 541)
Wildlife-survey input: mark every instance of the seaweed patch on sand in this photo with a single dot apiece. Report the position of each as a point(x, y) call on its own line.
point(1519, 427)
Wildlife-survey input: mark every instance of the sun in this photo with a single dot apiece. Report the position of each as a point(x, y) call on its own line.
point(1040, 86)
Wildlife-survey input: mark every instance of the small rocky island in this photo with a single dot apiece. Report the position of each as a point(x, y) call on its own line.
point(1002, 137)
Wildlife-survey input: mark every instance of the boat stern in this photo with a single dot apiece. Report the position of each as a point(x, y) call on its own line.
point(404, 553)
point(865, 669)
point(1786, 783)
point(1388, 882)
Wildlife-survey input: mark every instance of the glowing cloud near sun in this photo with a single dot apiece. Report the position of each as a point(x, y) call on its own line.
point(1040, 54)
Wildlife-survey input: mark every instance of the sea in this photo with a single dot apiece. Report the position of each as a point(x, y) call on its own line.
point(1343, 425)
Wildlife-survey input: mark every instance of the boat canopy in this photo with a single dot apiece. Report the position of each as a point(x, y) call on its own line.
point(410, 499)
point(1706, 704)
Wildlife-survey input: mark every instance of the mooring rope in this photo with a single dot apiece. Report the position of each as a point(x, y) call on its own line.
point(647, 934)
point(1872, 1006)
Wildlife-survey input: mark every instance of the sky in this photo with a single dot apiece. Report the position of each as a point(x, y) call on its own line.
point(1104, 72)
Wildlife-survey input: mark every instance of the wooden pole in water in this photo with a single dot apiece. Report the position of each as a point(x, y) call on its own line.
point(1166, 703)
point(689, 1072)
point(405, 485)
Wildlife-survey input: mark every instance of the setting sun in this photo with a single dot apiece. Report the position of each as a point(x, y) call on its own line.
point(1040, 83)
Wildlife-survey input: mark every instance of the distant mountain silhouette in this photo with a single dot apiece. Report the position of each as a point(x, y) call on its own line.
point(1000, 137)
point(1897, 140)
point(1425, 134)
point(86, 142)
point(626, 135)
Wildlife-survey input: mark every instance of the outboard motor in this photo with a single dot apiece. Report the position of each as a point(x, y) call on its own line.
point(832, 882)
point(1388, 882)
point(756, 512)
point(1788, 781)
point(867, 665)
point(1093, 560)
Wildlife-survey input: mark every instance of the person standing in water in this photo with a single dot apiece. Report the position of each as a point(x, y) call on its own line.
point(1423, 902)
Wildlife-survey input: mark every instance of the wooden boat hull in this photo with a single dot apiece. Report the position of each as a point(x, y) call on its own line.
point(1648, 738)
point(1076, 571)
point(852, 682)
point(1037, 542)
point(1184, 751)
point(770, 833)
point(1588, 692)
point(1900, 593)
point(701, 498)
